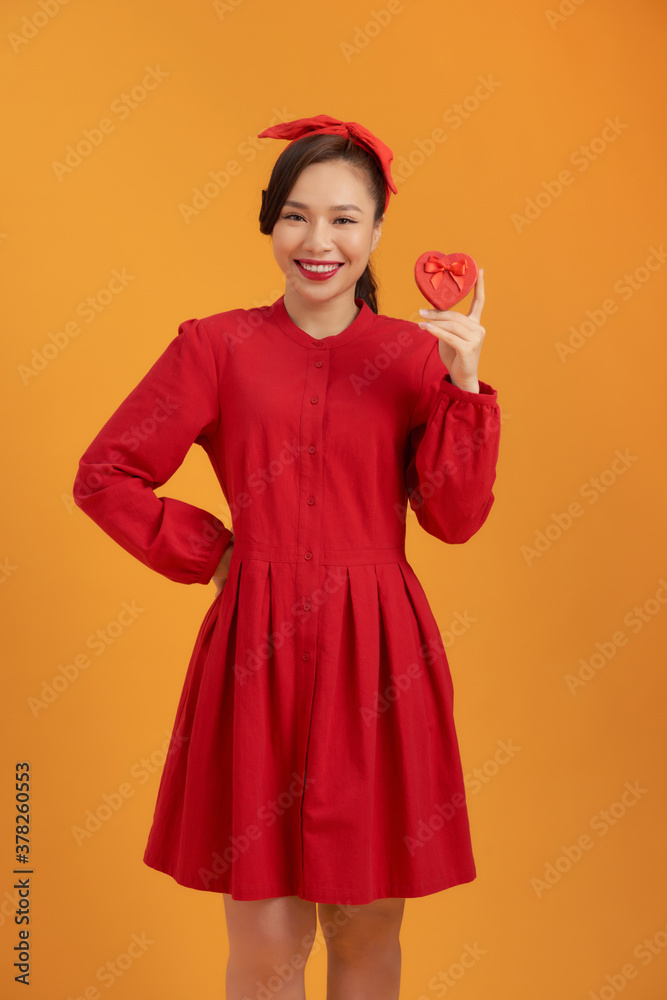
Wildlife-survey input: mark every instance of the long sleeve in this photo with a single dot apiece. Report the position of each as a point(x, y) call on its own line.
point(452, 451)
point(175, 405)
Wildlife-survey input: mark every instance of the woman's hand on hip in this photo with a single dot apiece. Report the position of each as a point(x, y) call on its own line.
point(222, 570)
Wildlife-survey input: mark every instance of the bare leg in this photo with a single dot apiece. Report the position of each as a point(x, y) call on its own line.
point(269, 942)
point(363, 949)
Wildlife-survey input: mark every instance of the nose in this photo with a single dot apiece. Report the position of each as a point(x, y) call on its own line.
point(317, 239)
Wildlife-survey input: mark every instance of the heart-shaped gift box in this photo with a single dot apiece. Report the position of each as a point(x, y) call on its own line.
point(445, 278)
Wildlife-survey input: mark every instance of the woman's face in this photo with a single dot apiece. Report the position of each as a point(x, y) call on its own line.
point(319, 229)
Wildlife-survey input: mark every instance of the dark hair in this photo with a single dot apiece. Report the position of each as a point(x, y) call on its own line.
point(315, 149)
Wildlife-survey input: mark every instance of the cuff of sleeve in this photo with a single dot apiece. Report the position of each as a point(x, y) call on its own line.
point(487, 394)
point(216, 554)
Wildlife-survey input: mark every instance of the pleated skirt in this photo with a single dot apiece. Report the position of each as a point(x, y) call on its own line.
point(334, 777)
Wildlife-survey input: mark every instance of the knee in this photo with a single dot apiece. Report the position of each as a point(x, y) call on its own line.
point(275, 944)
point(277, 930)
point(356, 942)
point(360, 949)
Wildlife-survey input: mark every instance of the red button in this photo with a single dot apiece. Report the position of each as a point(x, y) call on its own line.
point(308, 555)
point(306, 656)
point(314, 399)
point(318, 364)
point(306, 606)
point(311, 448)
point(310, 500)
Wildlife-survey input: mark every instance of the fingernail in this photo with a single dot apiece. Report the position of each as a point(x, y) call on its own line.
point(423, 312)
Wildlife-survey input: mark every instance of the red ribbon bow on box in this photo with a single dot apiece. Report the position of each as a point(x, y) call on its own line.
point(437, 267)
point(433, 265)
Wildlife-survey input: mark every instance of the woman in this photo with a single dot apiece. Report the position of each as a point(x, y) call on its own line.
point(314, 758)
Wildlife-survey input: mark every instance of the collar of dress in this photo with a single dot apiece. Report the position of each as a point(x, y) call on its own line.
point(363, 321)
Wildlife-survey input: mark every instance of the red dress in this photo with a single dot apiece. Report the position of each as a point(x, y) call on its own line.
point(314, 751)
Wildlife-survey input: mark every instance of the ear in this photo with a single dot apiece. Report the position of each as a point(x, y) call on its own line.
point(377, 232)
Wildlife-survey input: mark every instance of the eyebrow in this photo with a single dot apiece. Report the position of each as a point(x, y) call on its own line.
point(333, 208)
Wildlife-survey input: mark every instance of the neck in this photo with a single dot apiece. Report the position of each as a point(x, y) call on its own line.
point(321, 319)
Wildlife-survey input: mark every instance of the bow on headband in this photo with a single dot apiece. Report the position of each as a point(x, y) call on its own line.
point(325, 125)
point(437, 267)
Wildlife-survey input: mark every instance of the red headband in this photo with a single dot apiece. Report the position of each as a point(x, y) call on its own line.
point(325, 125)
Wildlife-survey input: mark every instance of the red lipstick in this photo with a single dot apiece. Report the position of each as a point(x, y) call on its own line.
point(318, 275)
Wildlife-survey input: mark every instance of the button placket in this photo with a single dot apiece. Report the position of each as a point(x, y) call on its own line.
point(309, 547)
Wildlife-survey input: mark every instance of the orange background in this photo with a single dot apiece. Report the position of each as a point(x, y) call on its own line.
point(230, 68)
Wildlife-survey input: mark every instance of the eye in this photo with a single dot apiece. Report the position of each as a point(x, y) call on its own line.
point(341, 218)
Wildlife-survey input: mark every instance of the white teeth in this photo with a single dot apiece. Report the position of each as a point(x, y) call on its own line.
point(319, 268)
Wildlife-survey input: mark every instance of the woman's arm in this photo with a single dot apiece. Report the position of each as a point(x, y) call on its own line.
point(452, 454)
point(141, 446)
point(454, 431)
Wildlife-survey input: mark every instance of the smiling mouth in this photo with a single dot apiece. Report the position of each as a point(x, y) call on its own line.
point(323, 268)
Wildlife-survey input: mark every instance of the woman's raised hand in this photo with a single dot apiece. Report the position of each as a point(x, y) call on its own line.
point(460, 338)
